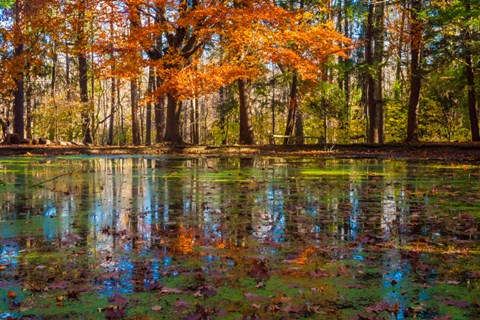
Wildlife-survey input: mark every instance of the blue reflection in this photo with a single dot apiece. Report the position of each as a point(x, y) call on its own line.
point(50, 221)
point(396, 278)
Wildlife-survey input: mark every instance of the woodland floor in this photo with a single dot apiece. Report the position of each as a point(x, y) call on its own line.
point(420, 151)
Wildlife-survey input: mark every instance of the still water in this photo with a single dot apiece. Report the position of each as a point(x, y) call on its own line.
point(337, 238)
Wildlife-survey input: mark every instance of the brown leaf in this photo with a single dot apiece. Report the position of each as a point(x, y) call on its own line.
point(181, 303)
point(253, 297)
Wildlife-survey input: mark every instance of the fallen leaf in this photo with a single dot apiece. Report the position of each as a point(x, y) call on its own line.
point(11, 295)
point(181, 304)
point(253, 297)
point(458, 304)
point(157, 308)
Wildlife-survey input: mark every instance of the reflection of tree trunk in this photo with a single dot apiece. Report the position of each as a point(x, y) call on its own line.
point(246, 130)
point(415, 70)
point(292, 109)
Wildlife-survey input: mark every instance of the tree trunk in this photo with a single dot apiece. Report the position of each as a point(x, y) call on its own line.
point(159, 114)
point(372, 134)
point(299, 128)
point(112, 111)
point(148, 122)
point(378, 58)
point(415, 71)
point(28, 98)
point(222, 114)
point(469, 73)
point(292, 110)
point(172, 132)
point(82, 72)
point(472, 103)
point(134, 105)
point(246, 130)
point(19, 94)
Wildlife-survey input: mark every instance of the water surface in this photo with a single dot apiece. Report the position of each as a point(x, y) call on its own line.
point(260, 237)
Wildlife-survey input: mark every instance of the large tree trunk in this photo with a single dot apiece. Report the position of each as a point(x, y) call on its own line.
point(19, 94)
point(415, 71)
point(372, 133)
point(246, 130)
point(292, 109)
point(172, 132)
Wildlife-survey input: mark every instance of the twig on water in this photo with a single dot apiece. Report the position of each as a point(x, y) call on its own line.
point(56, 177)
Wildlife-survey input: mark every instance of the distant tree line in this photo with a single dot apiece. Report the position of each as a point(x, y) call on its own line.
point(142, 72)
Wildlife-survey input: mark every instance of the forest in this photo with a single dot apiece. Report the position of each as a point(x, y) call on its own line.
point(145, 72)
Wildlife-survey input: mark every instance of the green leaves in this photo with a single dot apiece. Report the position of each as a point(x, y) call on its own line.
point(6, 4)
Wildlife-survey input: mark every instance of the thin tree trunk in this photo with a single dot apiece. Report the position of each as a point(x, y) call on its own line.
point(83, 77)
point(273, 105)
point(472, 103)
point(148, 122)
point(112, 111)
point(28, 98)
point(134, 17)
point(54, 72)
point(197, 121)
point(19, 94)
point(246, 130)
point(292, 110)
point(222, 111)
point(82, 71)
point(372, 134)
point(379, 56)
point(159, 114)
point(299, 128)
point(469, 73)
point(415, 71)
point(134, 105)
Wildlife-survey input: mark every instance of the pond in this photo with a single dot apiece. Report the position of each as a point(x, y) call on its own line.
point(152, 237)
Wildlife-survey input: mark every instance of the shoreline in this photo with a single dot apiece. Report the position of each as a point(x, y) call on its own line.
point(420, 151)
